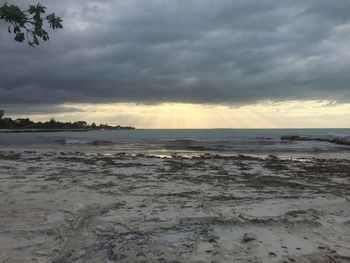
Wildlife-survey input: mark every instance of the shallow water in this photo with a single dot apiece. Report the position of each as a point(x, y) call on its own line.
point(186, 141)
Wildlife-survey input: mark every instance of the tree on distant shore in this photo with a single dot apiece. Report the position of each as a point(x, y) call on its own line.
point(29, 24)
point(52, 124)
point(1, 114)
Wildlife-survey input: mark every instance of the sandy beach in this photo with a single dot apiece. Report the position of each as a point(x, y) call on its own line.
point(81, 207)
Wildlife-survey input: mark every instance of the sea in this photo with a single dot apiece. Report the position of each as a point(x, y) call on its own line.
point(186, 142)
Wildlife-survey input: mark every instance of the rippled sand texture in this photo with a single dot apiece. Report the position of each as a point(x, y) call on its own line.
point(76, 207)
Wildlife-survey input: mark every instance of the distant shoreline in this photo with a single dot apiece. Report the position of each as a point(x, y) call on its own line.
point(54, 130)
point(8, 125)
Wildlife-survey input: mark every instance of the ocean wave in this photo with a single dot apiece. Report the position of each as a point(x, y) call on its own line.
point(103, 142)
point(179, 143)
point(335, 140)
point(237, 145)
point(258, 145)
point(180, 140)
point(337, 135)
point(69, 141)
point(76, 141)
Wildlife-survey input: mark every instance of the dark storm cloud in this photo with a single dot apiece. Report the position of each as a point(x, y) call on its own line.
point(233, 52)
point(38, 109)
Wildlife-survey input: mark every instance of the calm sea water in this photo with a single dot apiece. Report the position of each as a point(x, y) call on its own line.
point(186, 141)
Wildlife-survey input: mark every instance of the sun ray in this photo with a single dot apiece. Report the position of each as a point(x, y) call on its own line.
point(309, 114)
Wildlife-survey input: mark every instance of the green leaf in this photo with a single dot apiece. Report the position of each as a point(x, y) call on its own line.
point(30, 22)
point(19, 37)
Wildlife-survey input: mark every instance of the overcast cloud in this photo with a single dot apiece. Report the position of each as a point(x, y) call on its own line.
point(198, 51)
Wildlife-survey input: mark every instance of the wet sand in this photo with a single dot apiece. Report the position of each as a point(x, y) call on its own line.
point(80, 207)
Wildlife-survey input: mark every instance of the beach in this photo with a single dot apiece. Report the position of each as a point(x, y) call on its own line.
point(81, 206)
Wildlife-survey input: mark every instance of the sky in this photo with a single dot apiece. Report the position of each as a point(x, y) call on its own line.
point(185, 64)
